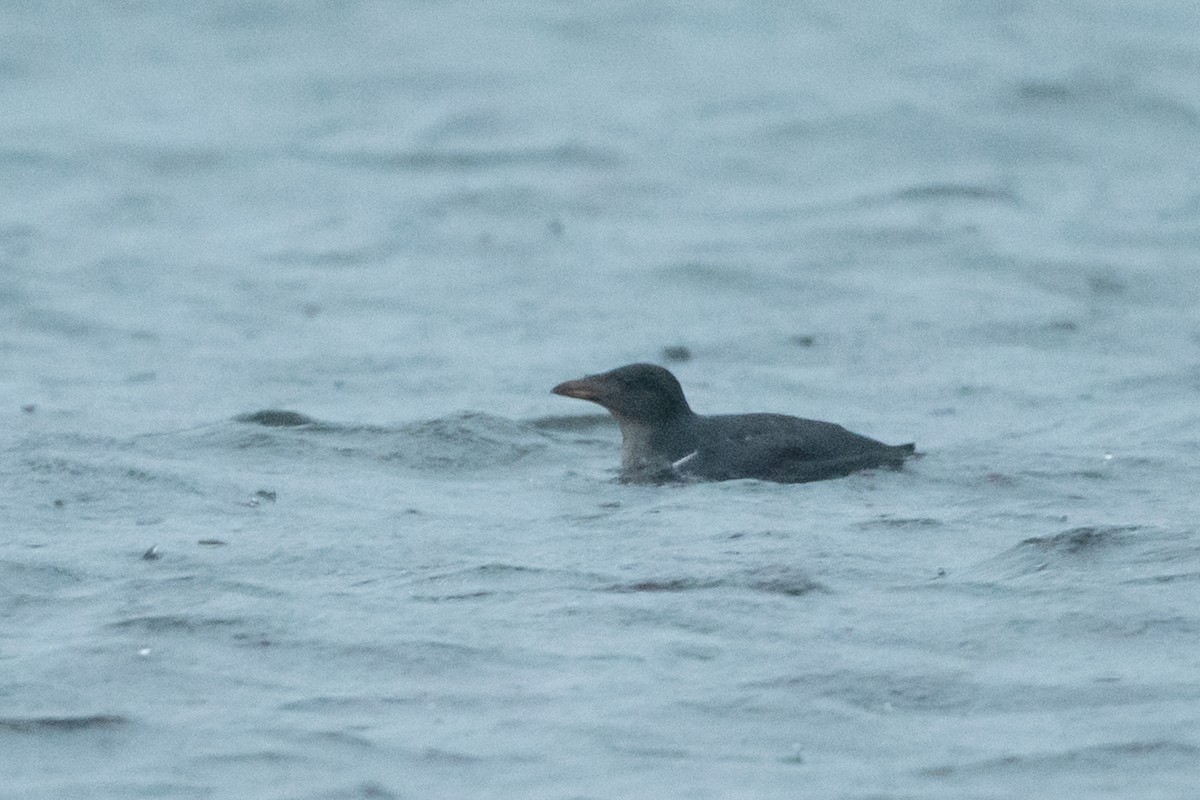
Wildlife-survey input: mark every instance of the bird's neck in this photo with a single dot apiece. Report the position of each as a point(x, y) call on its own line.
point(653, 447)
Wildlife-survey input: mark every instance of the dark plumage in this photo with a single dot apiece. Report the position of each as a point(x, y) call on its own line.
point(663, 439)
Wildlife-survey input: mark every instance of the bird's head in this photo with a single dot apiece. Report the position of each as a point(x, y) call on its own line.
point(640, 393)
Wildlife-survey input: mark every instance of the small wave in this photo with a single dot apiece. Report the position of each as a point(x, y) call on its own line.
point(470, 440)
point(1119, 756)
point(1079, 540)
point(1071, 550)
point(902, 522)
point(461, 441)
point(492, 579)
point(665, 585)
point(957, 192)
point(777, 579)
point(781, 580)
point(173, 623)
point(276, 418)
point(1170, 577)
point(265, 757)
point(882, 691)
point(71, 724)
point(17, 575)
point(430, 656)
point(1094, 96)
point(368, 790)
point(468, 160)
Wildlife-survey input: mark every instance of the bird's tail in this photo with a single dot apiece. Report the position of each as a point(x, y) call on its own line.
point(903, 451)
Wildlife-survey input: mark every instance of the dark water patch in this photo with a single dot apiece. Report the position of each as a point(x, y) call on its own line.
point(113, 478)
point(769, 534)
point(326, 704)
point(1174, 626)
point(277, 418)
point(570, 155)
point(511, 202)
point(1084, 548)
point(58, 466)
point(175, 623)
point(259, 18)
point(11, 68)
point(182, 160)
point(352, 657)
point(677, 353)
point(665, 585)
point(1081, 540)
point(896, 237)
point(439, 755)
point(881, 691)
point(1037, 92)
point(70, 724)
point(1174, 577)
point(1087, 96)
point(493, 579)
point(136, 378)
point(151, 788)
point(18, 575)
point(1137, 755)
point(463, 441)
point(296, 443)
point(36, 158)
point(266, 757)
point(481, 594)
point(329, 258)
point(1176, 383)
point(438, 655)
point(956, 192)
point(918, 693)
point(1092, 474)
point(1012, 698)
point(465, 124)
point(780, 579)
point(659, 753)
point(1107, 283)
point(367, 790)
point(1037, 334)
point(717, 276)
point(359, 705)
point(603, 22)
point(129, 209)
point(888, 522)
point(66, 325)
point(776, 579)
point(943, 692)
point(16, 242)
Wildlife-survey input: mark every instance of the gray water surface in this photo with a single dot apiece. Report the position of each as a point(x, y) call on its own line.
point(973, 226)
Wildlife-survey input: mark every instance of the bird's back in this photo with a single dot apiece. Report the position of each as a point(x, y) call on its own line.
point(779, 447)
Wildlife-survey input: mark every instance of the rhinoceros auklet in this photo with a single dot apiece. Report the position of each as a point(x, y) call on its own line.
point(663, 439)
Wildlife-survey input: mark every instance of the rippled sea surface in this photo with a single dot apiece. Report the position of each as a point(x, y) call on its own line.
point(971, 225)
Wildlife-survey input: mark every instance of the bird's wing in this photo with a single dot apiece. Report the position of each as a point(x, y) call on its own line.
point(779, 447)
